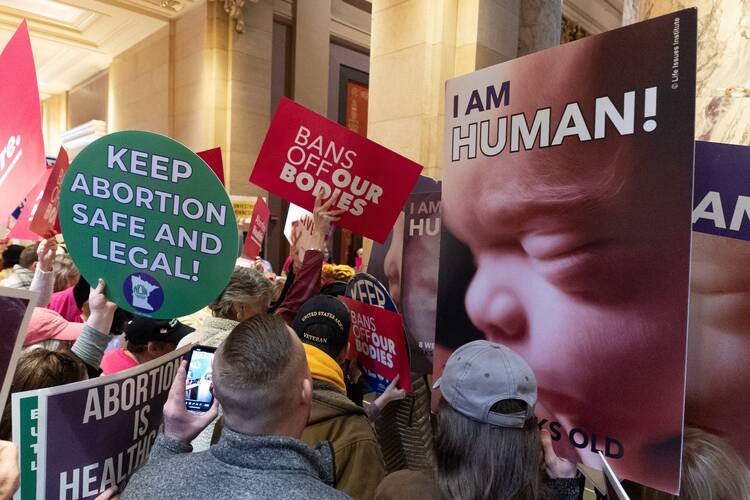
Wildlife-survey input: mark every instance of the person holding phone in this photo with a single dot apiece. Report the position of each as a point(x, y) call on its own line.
point(199, 394)
point(262, 380)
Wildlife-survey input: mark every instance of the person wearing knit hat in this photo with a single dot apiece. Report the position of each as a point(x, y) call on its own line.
point(322, 323)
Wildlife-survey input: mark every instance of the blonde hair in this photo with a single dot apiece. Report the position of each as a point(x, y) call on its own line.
point(711, 470)
point(342, 272)
point(65, 270)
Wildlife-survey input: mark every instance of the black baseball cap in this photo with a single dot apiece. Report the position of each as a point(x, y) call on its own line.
point(142, 330)
point(323, 322)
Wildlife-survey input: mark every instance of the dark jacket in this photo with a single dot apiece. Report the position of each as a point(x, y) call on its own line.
point(413, 484)
point(359, 462)
point(238, 466)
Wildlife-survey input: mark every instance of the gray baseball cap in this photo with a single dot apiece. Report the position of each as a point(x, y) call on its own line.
point(481, 373)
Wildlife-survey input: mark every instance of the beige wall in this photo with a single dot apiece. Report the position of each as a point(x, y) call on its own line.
point(418, 44)
point(201, 82)
point(250, 94)
point(54, 121)
point(139, 86)
point(89, 101)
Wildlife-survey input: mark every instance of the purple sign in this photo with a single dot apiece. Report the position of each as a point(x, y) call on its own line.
point(16, 307)
point(106, 427)
point(721, 196)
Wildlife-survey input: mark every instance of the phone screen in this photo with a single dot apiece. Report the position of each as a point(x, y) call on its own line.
point(198, 391)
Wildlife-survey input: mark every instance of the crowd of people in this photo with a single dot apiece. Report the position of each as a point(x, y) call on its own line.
point(287, 419)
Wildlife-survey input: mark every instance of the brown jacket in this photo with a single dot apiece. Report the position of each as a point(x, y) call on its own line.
point(357, 458)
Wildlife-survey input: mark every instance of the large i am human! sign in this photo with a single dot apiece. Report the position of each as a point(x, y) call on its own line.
point(149, 216)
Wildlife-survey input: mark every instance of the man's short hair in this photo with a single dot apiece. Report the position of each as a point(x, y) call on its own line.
point(11, 255)
point(28, 256)
point(256, 367)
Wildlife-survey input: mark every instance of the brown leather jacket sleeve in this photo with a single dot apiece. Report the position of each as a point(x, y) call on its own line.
point(306, 285)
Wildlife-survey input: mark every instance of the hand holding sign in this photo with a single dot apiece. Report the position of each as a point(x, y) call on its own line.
point(312, 232)
point(391, 393)
point(102, 310)
point(9, 473)
point(46, 252)
point(557, 468)
point(180, 424)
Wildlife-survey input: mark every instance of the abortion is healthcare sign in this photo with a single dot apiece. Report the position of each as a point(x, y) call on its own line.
point(305, 154)
point(377, 342)
point(21, 145)
point(149, 216)
point(77, 440)
point(565, 212)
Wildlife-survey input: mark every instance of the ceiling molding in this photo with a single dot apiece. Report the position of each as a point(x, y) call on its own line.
point(86, 35)
point(595, 16)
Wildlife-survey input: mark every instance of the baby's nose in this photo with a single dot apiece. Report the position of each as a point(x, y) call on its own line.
point(496, 311)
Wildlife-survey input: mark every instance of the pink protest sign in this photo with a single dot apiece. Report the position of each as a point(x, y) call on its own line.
point(258, 228)
point(45, 222)
point(21, 143)
point(305, 154)
point(213, 158)
point(21, 229)
point(377, 342)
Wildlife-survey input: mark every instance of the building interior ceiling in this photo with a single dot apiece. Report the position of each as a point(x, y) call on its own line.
point(74, 40)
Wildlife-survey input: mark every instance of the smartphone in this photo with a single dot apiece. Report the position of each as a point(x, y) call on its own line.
point(199, 394)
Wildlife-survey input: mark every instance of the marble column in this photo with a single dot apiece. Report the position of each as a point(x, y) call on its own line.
point(312, 52)
point(416, 46)
point(539, 26)
point(723, 70)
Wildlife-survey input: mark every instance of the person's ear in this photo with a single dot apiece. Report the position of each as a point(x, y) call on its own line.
point(33, 265)
point(152, 348)
point(307, 392)
point(239, 310)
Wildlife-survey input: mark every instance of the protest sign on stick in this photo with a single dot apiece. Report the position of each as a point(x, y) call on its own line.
point(615, 491)
point(305, 154)
point(147, 215)
point(16, 307)
point(376, 341)
point(258, 227)
point(295, 214)
point(21, 143)
point(213, 159)
point(106, 426)
point(21, 229)
point(45, 218)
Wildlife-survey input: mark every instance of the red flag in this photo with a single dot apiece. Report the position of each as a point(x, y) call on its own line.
point(213, 158)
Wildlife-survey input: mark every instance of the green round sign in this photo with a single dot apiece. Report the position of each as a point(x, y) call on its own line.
point(147, 215)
